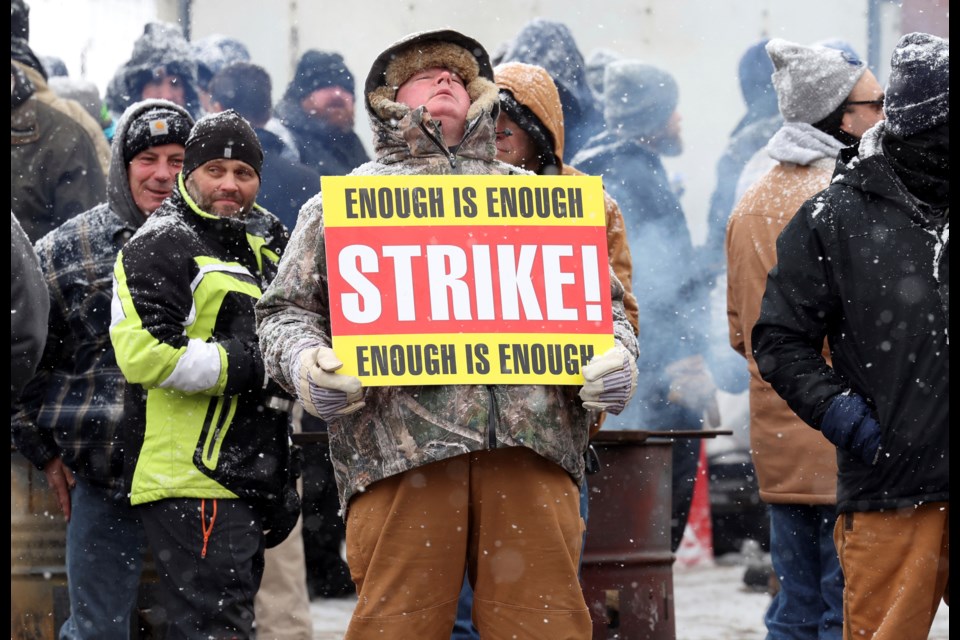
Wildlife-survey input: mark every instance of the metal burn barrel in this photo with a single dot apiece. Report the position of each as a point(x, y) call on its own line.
point(39, 601)
point(627, 570)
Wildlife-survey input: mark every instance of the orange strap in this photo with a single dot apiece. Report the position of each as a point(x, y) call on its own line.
point(203, 524)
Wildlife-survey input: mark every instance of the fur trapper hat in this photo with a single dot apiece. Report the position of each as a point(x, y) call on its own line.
point(439, 48)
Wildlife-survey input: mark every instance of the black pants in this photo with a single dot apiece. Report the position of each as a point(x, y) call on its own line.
point(323, 527)
point(205, 595)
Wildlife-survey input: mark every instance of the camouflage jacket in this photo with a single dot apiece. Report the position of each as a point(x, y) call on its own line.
point(402, 428)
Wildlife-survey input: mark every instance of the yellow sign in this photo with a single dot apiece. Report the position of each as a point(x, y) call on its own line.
point(467, 279)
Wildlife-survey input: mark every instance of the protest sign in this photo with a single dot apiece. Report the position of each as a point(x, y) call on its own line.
point(467, 279)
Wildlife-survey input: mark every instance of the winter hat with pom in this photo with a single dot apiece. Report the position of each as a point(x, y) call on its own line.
point(440, 48)
point(154, 127)
point(222, 135)
point(318, 70)
point(639, 98)
point(918, 92)
point(811, 82)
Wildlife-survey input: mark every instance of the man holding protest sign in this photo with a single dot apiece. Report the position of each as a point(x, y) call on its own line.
point(452, 471)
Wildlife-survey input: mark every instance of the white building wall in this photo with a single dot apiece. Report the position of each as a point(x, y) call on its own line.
point(698, 41)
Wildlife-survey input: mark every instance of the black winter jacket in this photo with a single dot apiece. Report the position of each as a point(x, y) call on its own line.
point(860, 263)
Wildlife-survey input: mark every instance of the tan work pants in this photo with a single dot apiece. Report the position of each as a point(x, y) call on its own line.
point(508, 516)
point(896, 567)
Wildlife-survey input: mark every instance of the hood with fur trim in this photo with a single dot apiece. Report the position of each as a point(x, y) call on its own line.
point(437, 48)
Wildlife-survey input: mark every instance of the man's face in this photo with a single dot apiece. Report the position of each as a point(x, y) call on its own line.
point(152, 174)
point(857, 118)
point(670, 142)
point(226, 188)
point(445, 96)
point(334, 105)
point(165, 87)
point(517, 148)
point(206, 101)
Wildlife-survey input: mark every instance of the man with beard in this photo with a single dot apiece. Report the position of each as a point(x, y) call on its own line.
point(317, 108)
point(207, 443)
point(676, 390)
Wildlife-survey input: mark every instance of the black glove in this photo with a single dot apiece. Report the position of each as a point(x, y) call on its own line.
point(280, 516)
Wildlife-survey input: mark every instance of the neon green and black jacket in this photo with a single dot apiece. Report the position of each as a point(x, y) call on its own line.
point(183, 330)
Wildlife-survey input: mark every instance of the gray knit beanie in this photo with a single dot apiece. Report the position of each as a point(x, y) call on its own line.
point(918, 92)
point(811, 82)
point(638, 98)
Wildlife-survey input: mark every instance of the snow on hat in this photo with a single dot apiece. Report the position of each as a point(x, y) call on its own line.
point(918, 92)
point(318, 70)
point(224, 135)
point(19, 19)
point(156, 126)
point(811, 82)
point(444, 48)
point(639, 98)
point(596, 66)
point(214, 52)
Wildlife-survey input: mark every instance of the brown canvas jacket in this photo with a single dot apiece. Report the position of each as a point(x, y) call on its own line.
point(794, 463)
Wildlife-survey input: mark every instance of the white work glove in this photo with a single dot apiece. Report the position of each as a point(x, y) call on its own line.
point(610, 380)
point(323, 392)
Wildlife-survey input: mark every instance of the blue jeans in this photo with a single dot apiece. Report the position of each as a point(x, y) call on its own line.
point(105, 543)
point(463, 628)
point(809, 604)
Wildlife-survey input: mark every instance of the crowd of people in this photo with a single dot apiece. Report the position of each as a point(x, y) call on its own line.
point(172, 331)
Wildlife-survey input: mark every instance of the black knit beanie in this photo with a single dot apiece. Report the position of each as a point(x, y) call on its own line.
point(224, 135)
point(155, 127)
point(918, 92)
point(318, 70)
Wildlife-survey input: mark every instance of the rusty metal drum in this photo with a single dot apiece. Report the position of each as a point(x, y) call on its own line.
point(627, 563)
point(39, 601)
